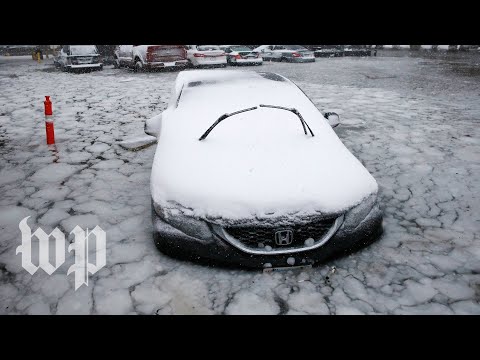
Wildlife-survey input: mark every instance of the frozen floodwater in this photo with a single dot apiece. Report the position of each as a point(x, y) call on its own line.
point(412, 122)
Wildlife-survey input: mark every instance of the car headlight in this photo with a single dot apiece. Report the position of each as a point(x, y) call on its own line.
point(356, 215)
point(187, 224)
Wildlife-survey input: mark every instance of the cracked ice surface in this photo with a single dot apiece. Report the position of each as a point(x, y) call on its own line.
point(419, 139)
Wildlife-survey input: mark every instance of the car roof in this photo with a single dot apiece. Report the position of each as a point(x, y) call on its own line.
point(193, 78)
point(225, 91)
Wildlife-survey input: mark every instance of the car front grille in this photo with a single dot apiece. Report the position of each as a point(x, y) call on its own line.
point(83, 60)
point(259, 236)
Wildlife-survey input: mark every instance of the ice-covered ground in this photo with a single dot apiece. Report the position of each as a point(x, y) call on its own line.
point(413, 122)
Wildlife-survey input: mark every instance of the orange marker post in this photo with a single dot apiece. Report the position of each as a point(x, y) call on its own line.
point(49, 121)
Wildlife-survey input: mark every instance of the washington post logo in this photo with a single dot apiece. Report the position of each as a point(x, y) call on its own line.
point(81, 267)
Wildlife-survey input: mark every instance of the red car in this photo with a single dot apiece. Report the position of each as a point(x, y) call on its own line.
point(145, 57)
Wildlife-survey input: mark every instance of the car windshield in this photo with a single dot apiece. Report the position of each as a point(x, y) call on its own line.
point(83, 49)
point(294, 47)
point(240, 48)
point(225, 116)
point(208, 47)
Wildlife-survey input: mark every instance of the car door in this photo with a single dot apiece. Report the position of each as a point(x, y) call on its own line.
point(267, 52)
point(125, 54)
point(277, 52)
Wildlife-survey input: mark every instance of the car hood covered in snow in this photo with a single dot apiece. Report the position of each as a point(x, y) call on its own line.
point(255, 164)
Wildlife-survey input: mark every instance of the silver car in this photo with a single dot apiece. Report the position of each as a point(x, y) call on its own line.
point(78, 57)
point(287, 53)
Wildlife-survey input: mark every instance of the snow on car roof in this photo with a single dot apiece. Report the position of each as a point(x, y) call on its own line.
point(232, 86)
point(210, 94)
point(215, 75)
point(211, 81)
point(248, 153)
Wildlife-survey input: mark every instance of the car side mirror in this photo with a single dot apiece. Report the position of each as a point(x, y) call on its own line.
point(153, 125)
point(333, 118)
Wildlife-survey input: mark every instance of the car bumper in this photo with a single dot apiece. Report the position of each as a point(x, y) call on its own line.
point(213, 62)
point(216, 250)
point(256, 61)
point(84, 66)
point(161, 65)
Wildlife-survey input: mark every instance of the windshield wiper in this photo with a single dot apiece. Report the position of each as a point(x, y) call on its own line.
point(221, 118)
point(296, 112)
point(225, 116)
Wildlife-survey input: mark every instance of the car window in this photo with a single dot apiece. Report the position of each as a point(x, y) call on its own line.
point(294, 47)
point(279, 47)
point(241, 48)
point(208, 47)
point(83, 49)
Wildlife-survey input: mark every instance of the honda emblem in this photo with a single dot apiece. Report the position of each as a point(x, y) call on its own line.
point(284, 237)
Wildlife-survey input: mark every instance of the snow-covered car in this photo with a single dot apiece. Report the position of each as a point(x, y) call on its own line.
point(241, 55)
point(148, 57)
point(248, 171)
point(78, 57)
point(206, 55)
point(290, 53)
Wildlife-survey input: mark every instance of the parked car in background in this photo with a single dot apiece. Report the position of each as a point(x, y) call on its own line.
point(274, 205)
point(149, 57)
point(107, 54)
point(326, 50)
point(289, 53)
point(123, 56)
point(261, 49)
point(357, 50)
point(206, 55)
point(78, 57)
point(241, 55)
